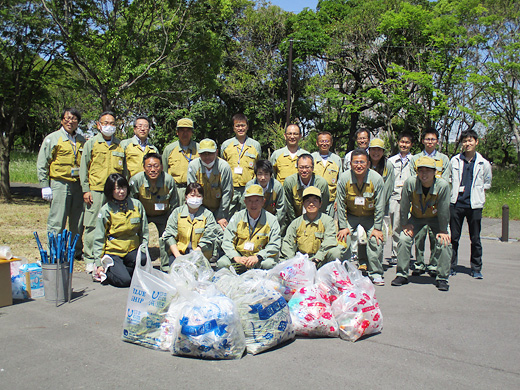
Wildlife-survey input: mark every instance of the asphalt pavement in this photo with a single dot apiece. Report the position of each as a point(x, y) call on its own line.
point(465, 338)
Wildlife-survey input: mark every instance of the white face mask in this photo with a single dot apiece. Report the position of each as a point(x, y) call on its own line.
point(108, 130)
point(194, 202)
point(210, 165)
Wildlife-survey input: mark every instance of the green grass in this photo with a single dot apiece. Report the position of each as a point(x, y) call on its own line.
point(22, 167)
point(505, 189)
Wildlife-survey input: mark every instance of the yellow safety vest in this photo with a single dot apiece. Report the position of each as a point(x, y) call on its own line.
point(122, 234)
point(104, 161)
point(65, 156)
point(259, 237)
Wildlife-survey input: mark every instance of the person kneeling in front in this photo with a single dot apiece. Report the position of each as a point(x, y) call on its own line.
point(313, 233)
point(191, 227)
point(121, 227)
point(429, 198)
point(252, 237)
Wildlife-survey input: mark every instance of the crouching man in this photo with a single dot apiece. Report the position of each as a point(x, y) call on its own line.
point(429, 198)
point(252, 237)
point(313, 233)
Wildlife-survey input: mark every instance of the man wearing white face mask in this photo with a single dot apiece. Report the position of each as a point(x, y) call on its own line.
point(102, 156)
point(215, 176)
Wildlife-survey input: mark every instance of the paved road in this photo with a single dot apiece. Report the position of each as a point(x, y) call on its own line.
point(465, 338)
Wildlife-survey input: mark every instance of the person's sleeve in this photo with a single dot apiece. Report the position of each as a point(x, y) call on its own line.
point(173, 194)
point(227, 193)
point(340, 168)
point(389, 183)
point(488, 175)
point(280, 202)
point(329, 240)
point(165, 156)
point(272, 249)
point(443, 207)
point(84, 166)
point(43, 162)
point(325, 195)
point(413, 168)
point(405, 201)
point(259, 150)
point(289, 207)
point(170, 232)
point(98, 243)
point(144, 224)
point(133, 187)
point(446, 170)
point(230, 232)
point(273, 162)
point(289, 246)
point(340, 201)
point(209, 236)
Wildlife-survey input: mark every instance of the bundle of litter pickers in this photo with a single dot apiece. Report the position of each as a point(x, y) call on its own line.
point(194, 311)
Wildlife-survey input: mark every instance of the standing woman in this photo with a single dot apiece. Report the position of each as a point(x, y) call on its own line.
point(120, 229)
point(379, 163)
point(190, 227)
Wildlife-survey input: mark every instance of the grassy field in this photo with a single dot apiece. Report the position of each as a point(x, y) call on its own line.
point(505, 189)
point(22, 168)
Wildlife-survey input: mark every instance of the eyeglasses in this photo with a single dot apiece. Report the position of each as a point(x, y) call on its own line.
point(70, 119)
point(305, 167)
point(362, 138)
point(430, 139)
point(107, 123)
point(359, 162)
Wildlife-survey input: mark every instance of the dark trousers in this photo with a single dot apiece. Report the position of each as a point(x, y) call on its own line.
point(474, 218)
point(120, 274)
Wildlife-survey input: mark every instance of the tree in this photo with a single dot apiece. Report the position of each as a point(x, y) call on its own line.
point(27, 50)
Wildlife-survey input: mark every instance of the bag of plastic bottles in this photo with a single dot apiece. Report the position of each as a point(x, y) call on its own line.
point(358, 280)
point(208, 326)
point(192, 267)
point(293, 274)
point(311, 312)
point(358, 314)
point(334, 277)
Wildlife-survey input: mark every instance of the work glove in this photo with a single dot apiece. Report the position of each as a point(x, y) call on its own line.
point(47, 193)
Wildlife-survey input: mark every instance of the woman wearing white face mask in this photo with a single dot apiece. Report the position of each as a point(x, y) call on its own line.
point(190, 227)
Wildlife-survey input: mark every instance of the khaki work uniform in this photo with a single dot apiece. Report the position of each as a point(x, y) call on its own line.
point(98, 161)
point(329, 169)
point(431, 210)
point(242, 160)
point(158, 200)
point(175, 162)
point(283, 164)
point(274, 198)
point(134, 154)
point(316, 238)
point(58, 168)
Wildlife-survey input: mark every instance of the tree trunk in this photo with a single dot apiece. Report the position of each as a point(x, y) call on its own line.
point(5, 149)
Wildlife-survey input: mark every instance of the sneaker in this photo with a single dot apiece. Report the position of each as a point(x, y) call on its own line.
point(442, 285)
point(453, 272)
point(362, 267)
point(377, 280)
point(433, 273)
point(392, 261)
point(399, 281)
point(418, 272)
point(477, 275)
point(90, 268)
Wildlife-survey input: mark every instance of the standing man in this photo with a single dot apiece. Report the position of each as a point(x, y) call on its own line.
point(177, 155)
point(327, 165)
point(429, 198)
point(273, 191)
point(471, 177)
point(252, 238)
point(138, 146)
point(360, 201)
point(313, 233)
point(430, 140)
point(401, 162)
point(157, 191)
point(284, 159)
point(58, 172)
point(297, 183)
point(102, 155)
point(214, 175)
point(241, 153)
point(362, 142)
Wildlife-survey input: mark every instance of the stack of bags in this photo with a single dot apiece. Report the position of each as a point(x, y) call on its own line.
point(193, 311)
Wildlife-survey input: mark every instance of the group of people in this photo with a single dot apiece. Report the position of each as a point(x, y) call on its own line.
point(242, 211)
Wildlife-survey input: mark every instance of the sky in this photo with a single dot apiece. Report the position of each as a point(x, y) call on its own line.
point(295, 5)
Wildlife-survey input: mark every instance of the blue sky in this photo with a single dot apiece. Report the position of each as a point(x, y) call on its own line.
point(295, 5)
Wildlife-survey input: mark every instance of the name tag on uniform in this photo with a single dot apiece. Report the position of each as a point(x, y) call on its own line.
point(461, 189)
point(399, 183)
point(359, 201)
point(159, 207)
point(249, 246)
point(74, 172)
point(238, 170)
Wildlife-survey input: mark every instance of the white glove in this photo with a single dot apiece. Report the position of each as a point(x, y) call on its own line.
point(47, 193)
